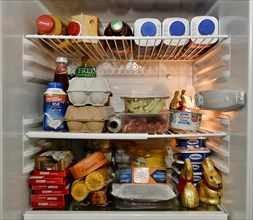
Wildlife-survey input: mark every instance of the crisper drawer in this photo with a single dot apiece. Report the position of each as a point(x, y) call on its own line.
point(127, 215)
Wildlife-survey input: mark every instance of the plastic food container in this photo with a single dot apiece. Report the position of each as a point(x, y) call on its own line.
point(147, 156)
point(179, 164)
point(196, 177)
point(92, 91)
point(195, 143)
point(195, 155)
point(87, 119)
point(145, 104)
point(185, 120)
point(145, 123)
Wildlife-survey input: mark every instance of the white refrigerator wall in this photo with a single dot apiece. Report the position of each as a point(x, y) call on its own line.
point(21, 100)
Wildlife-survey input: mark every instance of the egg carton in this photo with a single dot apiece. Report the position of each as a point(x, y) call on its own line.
point(88, 91)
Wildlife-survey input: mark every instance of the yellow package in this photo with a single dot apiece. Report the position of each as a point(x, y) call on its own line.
point(97, 179)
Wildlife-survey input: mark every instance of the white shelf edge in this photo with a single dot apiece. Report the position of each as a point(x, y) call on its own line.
point(133, 136)
point(124, 215)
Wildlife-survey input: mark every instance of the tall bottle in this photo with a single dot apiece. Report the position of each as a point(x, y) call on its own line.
point(55, 106)
point(61, 72)
point(201, 26)
point(146, 27)
point(175, 26)
point(117, 27)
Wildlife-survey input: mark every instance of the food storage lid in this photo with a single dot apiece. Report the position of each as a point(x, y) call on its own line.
point(148, 29)
point(45, 23)
point(148, 151)
point(189, 150)
point(55, 85)
point(206, 27)
point(116, 25)
point(74, 28)
point(177, 28)
point(61, 60)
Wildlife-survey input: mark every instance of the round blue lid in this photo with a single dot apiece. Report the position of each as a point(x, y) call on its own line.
point(206, 27)
point(177, 28)
point(55, 85)
point(148, 29)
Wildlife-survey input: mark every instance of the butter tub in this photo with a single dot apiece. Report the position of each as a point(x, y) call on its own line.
point(189, 121)
point(88, 119)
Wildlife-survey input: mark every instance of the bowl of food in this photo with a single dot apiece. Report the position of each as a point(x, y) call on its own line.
point(145, 104)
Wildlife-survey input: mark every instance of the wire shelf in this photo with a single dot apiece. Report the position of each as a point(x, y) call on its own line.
point(186, 48)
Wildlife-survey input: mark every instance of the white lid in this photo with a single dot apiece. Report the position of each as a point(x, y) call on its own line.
point(61, 60)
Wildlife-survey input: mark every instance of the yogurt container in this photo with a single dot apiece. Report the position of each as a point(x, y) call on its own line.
point(195, 155)
point(196, 177)
point(146, 27)
point(204, 25)
point(194, 143)
point(179, 164)
point(185, 120)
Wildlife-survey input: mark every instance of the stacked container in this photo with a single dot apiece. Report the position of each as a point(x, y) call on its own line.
point(89, 96)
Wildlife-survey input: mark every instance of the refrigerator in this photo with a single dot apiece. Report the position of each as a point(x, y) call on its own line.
point(223, 75)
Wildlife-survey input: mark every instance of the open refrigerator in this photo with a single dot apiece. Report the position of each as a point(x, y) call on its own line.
point(225, 71)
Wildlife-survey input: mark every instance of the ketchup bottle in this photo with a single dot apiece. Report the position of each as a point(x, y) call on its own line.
point(61, 72)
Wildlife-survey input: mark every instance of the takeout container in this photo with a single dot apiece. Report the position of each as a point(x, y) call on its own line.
point(93, 91)
point(145, 104)
point(183, 120)
point(145, 123)
point(87, 119)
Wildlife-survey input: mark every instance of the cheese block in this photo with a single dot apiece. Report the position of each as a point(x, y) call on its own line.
point(88, 165)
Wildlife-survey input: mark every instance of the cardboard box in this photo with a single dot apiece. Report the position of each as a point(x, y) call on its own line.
point(91, 26)
point(53, 160)
point(88, 119)
point(41, 180)
point(47, 198)
point(48, 205)
point(142, 175)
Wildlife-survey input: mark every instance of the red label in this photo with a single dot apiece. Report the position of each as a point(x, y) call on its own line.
point(56, 98)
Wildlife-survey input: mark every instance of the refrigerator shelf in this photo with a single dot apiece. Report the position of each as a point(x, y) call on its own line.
point(132, 136)
point(99, 47)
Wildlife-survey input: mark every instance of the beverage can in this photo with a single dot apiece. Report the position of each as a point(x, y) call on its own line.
point(55, 106)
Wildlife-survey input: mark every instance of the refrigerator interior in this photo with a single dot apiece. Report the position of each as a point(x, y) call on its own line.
point(27, 67)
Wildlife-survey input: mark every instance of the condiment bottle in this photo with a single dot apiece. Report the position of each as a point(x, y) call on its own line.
point(55, 106)
point(86, 69)
point(61, 72)
point(117, 27)
point(51, 25)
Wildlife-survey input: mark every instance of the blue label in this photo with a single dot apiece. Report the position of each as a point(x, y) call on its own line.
point(54, 111)
point(159, 176)
point(125, 175)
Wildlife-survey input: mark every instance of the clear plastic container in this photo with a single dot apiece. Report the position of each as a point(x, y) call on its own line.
point(148, 156)
point(145, 104)
point(145, 123)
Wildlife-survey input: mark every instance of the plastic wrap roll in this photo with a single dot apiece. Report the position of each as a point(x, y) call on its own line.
point(114, 124)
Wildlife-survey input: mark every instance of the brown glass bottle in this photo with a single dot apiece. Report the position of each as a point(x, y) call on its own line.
point(61, 72)
point(118, 28)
